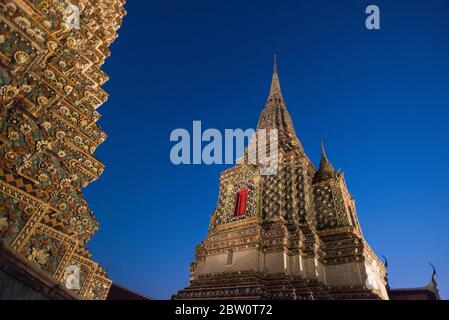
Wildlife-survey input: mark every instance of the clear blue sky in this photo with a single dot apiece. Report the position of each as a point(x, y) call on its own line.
point(379, 99)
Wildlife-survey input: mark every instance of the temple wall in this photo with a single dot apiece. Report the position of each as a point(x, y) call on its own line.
point(373, 280)
point(241, 260)
point(268, 263)
point(271, 263)
point(51, 86)
point(275, 262)
point(345, 274)
point(356, 274)
point(20, 279)
point(13, 289)
point(313, 269)
point(295, 265)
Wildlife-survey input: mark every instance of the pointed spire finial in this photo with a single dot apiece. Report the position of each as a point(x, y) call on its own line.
point(275, 89)
point(326, 169)
point(386, 273)
point(434, 272)
point(275, 64)
point(323, 152)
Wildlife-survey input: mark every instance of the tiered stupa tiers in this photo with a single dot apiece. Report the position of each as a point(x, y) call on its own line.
point(50, 90)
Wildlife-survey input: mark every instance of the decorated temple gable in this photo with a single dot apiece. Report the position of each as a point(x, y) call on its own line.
point(293, 234)
point(50, 90)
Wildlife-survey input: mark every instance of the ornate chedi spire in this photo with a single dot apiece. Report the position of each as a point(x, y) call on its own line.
point(284, 235)
point(275, 89)
point(326, 169)
point(276, 116)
